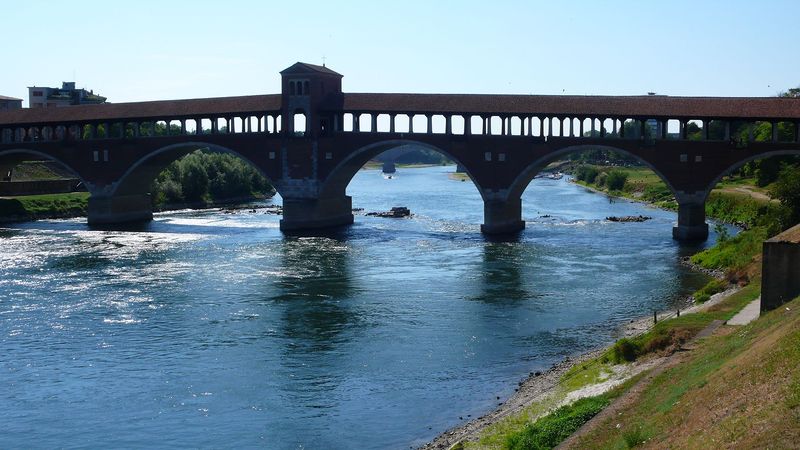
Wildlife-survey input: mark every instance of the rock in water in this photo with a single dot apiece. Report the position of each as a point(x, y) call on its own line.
point(628, 218)
point(395, 212)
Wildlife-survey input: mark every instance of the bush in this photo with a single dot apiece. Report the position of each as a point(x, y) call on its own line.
point(624, 350)
point(711, 288)
point(616, 180)
point(586, 173)
point(735, 253)
point(601, 178)
point(552, 429)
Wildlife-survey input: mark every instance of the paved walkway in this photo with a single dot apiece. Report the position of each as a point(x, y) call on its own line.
point(748, 314)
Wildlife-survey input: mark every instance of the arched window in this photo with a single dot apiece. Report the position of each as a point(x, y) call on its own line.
point(305, 88)
point(291, 88)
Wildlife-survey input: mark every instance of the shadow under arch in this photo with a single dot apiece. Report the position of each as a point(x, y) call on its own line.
point(140, 175)
point(524, 179)
point(339, 178)
point(14, 156)
point(742, 162)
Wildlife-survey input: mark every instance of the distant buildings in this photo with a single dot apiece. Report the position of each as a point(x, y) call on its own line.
point(7, 103)
point(45, 97)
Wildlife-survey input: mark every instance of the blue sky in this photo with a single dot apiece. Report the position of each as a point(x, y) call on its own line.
point(149, 50)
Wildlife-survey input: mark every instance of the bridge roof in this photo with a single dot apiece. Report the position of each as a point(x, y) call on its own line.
point(163, 109)
point(646, 106)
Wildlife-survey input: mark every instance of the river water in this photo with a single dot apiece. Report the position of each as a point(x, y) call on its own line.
point(208, 329)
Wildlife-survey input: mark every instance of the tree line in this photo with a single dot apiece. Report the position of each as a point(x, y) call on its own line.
point(203, 177)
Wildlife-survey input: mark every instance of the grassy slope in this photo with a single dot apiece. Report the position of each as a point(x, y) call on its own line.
point(497, 435)
point(41, 206)
point(740, 388)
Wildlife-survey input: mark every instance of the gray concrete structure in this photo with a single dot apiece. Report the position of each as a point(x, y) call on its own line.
point(67, 95)
point(780, 280)
point(8, 103)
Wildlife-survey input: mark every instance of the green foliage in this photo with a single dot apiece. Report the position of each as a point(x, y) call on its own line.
point(735, 253)
point(550, 430)
point(601, 178)
point(787, 190)
point(624, 350)
point(635, 437)
point(743, 210)
point(202, 177)
point(721, 232)
point(616, 180)
point(711, 288)
point(31, 207)
point(586, 173)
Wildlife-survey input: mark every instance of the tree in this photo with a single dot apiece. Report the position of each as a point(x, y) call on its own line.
point(787, 190)
point(616, 180)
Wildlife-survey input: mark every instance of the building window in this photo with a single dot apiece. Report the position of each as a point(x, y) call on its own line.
point(37, 93)
point(291, 88)
point(305, 88)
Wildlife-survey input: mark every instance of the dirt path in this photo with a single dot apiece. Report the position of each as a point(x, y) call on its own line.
point(747, 190)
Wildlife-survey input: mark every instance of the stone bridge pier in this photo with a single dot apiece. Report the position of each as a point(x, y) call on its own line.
point(117, 209)
point(304, 209)
point(692, 224)
point(502, 215)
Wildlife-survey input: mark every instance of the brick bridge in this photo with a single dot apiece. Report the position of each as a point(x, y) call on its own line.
point(311, 139)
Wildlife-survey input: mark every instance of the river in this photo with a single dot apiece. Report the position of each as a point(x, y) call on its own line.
point(207, 329)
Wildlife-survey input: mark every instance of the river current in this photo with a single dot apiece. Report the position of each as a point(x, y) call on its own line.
point(210, 329)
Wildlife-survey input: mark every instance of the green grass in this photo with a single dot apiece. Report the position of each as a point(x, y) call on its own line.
point(711, 288)
point(47, 205)
point(738, 389)
point(734, 253)
point(548, 431)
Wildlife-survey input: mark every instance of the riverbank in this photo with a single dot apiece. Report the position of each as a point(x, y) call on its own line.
point(589, 374)
point(75, 204)
point(540, 394)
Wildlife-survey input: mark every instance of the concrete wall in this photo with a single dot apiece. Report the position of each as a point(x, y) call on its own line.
point(781, 269)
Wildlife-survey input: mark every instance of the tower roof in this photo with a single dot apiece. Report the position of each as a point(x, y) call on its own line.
point(304, 68)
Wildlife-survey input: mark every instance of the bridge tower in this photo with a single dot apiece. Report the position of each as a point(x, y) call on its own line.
point(309, 94)
point(306, 89)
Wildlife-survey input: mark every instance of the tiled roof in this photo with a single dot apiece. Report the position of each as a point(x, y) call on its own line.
point(144, 110)
point(562, 105)
point(3, 97)
point(649, 106)
point(301, 67)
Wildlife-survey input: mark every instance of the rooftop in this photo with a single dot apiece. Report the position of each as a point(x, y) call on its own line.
point(646, 106)
point(3, 97)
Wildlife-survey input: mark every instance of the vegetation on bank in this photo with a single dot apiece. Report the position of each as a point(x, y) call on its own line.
point(738, 388)
point(203, 178)
point(738, 258)
point(196, 180)
point(32, 207)
point(553, 428)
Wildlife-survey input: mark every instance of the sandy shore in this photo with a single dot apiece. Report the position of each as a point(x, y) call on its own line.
point(541, 387)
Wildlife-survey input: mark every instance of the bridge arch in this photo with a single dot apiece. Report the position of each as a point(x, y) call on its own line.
point(128, 198)
point(138, 178)
point(12, 154)
point(340, 176)
point(742, 162)
point(522, 181)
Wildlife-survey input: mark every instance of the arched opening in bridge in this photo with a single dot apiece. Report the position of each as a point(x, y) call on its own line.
point(425, 180)
point(762, 191)
point(24, 172)
point(299, 123)
point(193, 175)
point(602, 168)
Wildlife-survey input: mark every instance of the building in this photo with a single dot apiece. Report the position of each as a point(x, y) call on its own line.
point(7, 103)
point(45, 97)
